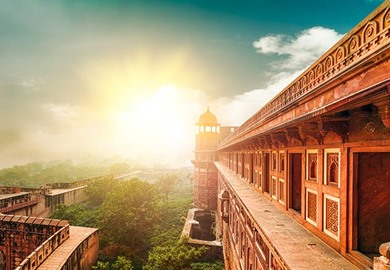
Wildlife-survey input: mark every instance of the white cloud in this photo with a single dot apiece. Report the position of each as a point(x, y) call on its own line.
point(236, 110)
point(301, 50)
point(62, 111)
point(32, 84)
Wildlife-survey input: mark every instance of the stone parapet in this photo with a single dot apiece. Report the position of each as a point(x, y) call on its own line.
point(41, 253)
point(363, 47)
point(28, 237)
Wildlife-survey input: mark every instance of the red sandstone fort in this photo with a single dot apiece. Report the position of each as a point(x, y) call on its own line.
point(305, 182)
point(302, 184)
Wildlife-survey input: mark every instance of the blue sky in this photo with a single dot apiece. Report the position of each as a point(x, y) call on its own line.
point(79, 72)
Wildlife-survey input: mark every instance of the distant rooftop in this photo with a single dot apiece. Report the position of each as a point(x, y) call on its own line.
point(6, 196)
point(55, 192)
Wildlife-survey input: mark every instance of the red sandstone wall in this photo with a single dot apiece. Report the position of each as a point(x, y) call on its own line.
point(19, 236)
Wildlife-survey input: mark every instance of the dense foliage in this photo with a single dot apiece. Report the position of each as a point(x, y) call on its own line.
point(78, 214)
point(139, 228)
point(129, 214)
point(121, 263)
point(173, 257)
point(36, 174)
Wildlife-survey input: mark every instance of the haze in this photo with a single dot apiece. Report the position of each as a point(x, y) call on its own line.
point(82, 79)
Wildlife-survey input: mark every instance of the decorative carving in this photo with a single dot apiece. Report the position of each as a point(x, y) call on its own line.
point(386, 18)
point(265, 142)
point(384, 111)
point(328, 62)
point(274, 187)
point(281, 162)
point(340, 54)
point(354, 43)
point(310, 129)
point(332, 168)
point(312, 206)
point(370, 127)
point(318, 70)
point(274, 162)
point(332, 216)
point(293, 135)
point(357, 46)
point(281, 191)
point(312, 166)
point(279, 139)
point(337, 125)
point(370, 31)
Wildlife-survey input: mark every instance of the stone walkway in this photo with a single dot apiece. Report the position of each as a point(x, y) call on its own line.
point(57, 259)
point(298, 247)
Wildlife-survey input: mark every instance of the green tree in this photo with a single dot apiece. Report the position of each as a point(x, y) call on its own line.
point(166, 184)
point(217, 265)
point(77, 215)
point(175, 257)
point(101, 266)
point(129, 214)
point(121, 263)
point(98, 190)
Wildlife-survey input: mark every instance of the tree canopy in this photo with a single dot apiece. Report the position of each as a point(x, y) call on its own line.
point(129, 215)
point(166, 184)
point(173, 257)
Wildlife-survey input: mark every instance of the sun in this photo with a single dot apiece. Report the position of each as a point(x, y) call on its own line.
point(148, 104)
point(159, 120)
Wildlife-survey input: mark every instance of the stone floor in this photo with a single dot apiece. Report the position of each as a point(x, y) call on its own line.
point(298, 247)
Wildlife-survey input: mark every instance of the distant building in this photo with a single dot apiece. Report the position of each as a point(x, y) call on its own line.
point(305, 182)
point(38, 243)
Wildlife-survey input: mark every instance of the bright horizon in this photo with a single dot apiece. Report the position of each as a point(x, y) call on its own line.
point(84, 79)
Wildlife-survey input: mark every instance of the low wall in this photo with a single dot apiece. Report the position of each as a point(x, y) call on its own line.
point(85, 255)
point(22, 235)
point(41, 253)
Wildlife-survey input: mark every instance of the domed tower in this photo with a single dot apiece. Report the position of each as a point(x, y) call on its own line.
point(207, 139)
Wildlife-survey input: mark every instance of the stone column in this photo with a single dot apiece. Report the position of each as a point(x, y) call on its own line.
point(383, 262)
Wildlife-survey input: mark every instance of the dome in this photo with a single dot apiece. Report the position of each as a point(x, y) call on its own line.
point(208, 119)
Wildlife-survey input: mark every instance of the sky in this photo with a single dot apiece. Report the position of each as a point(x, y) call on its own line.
point(94, 78)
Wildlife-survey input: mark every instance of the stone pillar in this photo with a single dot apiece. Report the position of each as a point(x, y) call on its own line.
point(383, 262)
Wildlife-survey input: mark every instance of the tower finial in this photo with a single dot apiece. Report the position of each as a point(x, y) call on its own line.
point(208, 108)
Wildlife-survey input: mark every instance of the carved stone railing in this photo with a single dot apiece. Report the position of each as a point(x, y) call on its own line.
point(367, 39)
point(41, 253)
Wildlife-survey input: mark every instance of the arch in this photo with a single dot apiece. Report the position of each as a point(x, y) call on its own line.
point(319, 70)
point(386, 18)
point(311, 76)
point(370, 31)
point(353, 44)
point(333, 173)
point(340, 54)
point(313, 169)
point(328, 63)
